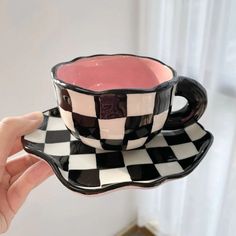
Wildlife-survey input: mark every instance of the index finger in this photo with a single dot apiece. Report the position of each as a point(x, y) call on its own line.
point(16, 147)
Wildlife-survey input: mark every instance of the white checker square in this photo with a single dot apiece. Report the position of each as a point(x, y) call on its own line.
point(82, 162)
point(169, 168)
point(116, 175)
point(132, 144)
point(82, 103)
point(195, 132)
point(91, 142)
point(157, 141)
point(159, 121)
point(112, 129)
point(55, 123)
point(57, 149)
point(38, 136)
point(136, 157)
point(140, 104)
point(67, 118)
point(184, 150)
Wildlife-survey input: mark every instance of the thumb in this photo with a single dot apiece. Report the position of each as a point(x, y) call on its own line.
point(12, 128)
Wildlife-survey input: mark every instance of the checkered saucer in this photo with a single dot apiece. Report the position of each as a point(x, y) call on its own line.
point(170, 155)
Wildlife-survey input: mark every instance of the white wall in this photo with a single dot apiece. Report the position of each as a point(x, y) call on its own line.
point(52, 210)
point(35, 35)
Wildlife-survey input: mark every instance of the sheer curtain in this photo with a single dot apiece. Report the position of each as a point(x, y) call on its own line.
point(198, 39)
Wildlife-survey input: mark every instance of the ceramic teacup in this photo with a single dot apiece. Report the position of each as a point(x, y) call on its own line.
point(121, 101)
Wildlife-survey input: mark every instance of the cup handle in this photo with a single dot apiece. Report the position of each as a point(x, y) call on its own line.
point(196, 96)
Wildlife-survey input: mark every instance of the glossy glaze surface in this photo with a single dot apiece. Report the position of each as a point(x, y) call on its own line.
point(87, 170)
point(131, 110)
point(196, 96)
point(101, 73)
point(114, 121)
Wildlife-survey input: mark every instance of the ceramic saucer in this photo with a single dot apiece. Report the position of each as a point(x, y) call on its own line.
point(170, 155)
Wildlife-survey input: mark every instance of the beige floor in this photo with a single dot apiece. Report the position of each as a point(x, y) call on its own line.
point(137, 231)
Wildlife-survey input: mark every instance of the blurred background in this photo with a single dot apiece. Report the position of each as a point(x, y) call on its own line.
point(197, 38)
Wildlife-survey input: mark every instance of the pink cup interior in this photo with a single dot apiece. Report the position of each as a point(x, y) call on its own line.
point(114, 72)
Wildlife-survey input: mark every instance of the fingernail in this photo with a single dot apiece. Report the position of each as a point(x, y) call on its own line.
point(34, 116)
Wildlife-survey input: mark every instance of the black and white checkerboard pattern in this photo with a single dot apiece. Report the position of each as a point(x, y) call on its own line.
point(87, 168)
point(114, 121)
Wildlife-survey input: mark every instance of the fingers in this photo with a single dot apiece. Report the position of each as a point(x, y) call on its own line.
point(16, 147)
point(11, 129)
point(19, 165)
point(31, 178)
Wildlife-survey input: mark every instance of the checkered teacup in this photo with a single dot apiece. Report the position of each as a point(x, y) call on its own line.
point(121, 101)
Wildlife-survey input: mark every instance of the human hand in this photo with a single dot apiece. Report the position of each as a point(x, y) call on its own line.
point(18, 176)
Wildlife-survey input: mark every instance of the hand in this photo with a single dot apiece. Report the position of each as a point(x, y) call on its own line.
point(18, 176)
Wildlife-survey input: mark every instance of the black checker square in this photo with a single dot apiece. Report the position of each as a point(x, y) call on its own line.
point(133, 122)
point(109, 160)
point(109, 106)
point(143, 172)
point(161, 154)
point(57, 136)
point(137, 134)
point(86, 126)
point(77, 147)
point(86, 178)
point(138, 127)
point(187, 162)
point(162, 101)
point(112, 144)
point(177, 139)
